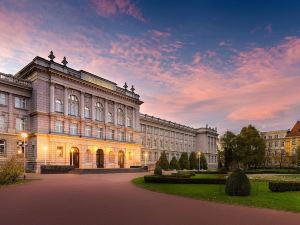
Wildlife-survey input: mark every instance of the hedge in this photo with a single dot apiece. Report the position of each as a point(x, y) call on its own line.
point(284, 186)
point(211, 172)
point(182, 180)
point(272, 172)
point(55, 169)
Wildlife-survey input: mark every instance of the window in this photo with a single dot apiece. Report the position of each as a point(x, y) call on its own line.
point(110, 117)
point(20, 103)
point(73, 105)
point(88, 131)
point(59, 128)
point(20, 124)
point(143, 155)
point(130, 137)
point(111, 134)
point(129, 121)
point(58, 106)
point(122, 136)
point(2, 98)
point(111, 157)
point(99, 112)
point(60, 151)
point(150, 156)
point(99, 132)
point(120, 117)
point(87, 112)
point(2, 123)
point(156, 156)
point(2, 146)
point(73, 129)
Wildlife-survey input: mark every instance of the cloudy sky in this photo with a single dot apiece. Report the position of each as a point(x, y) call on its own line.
point(224, 63)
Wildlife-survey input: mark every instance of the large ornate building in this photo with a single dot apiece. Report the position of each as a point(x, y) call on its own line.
point(75, 117)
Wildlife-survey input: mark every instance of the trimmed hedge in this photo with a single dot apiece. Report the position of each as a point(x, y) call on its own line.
point(55, 169)
point(182, 180)
point(284, 186)
point(272, 172)
point(211, 172)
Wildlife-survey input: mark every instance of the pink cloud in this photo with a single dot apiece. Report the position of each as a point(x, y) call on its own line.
point(108, 8)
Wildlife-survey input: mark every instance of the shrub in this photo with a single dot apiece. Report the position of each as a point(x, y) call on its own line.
point(284, 186)
point(10, 171)
point(184, 161)
point(238, 184)
point(163, 161)
point(203, 162)
point(193, 161)
point(182, 180)
point(174, 165)
point(158, 171)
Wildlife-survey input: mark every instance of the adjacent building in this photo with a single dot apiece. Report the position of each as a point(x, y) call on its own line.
point(78, 118)
point(292, 140)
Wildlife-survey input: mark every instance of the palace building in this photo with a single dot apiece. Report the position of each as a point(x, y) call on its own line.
point(78, 118)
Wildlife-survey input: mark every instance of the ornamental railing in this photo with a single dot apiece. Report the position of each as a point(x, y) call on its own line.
point(12, 79)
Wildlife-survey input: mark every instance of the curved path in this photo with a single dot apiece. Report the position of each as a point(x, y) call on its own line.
point(111, 199)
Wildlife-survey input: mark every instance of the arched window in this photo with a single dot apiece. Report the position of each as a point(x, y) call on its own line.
point(150, 156)
point(129, 121)
point(99, 112)
point(110, 117)
point(58, 105)
point(2, 147)
point(111, 157)
point(87, 112)
point(73, 105)
point(120, 117)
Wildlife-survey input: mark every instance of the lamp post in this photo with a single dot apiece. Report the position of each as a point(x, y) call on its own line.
point(72, 150)
point(199, 154)
point(45, 154)
point(24, 136)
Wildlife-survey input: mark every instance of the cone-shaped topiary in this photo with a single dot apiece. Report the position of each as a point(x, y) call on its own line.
point(163, 161)
point(184, 161)
point(238, 184)
point(174, 165)
point(193, 161)
point(158, 171)
point(203, 162)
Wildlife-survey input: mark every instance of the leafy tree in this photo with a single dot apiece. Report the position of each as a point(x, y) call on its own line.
point(174, 164)
point(228, 141)
point(193, 161)
point(203, 162)
point(163, 161)
point(251, 147)
point(184, 161)
point(221, 159)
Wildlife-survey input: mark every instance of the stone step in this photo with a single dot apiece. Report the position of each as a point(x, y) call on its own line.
point(107, 170)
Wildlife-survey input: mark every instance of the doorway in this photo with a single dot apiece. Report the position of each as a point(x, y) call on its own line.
point(74, 157)
point(100, 158)
point(121, 159)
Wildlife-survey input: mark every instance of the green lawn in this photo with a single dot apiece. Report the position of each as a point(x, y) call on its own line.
point(261, 195)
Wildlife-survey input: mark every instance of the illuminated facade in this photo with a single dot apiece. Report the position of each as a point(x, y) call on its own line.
point(292, 140)
point(75, 117)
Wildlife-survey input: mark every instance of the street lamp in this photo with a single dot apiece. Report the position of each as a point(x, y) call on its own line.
point(24, 135)
point(45, 154)
point(199, 155)
point(72, 150)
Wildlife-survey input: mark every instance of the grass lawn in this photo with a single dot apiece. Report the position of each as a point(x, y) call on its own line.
point(261, 196)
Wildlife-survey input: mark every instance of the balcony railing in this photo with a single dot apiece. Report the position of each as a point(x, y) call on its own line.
point(10, 78)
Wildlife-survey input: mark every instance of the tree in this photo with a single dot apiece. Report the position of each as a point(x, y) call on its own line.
point(174, 165)
point(203, 162)
point(228, 141)
point(193, 161)
point(163, 161)
point(184, 161)
point(251, 147)
point(221, 159)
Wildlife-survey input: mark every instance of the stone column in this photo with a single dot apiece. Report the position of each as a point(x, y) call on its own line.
point(81, 105)
point(52, 88)
point(11, 127)
point(66, 103)
point(115, 114)
point(93, 108)
point(125, 122)
point(133, 118)
point(105, 110)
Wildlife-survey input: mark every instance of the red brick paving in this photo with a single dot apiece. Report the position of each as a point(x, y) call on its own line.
point(110, 199)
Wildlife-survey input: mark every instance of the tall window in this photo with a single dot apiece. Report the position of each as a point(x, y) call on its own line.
point(88, 131)
point(73, 105)
point(129, 121)
point(111, 134)
point(2, 98)
point(59, 128)
point(2, 123)
point(130, 137)
point(87, 112)
point(99, 132)
point(99, 112)
point(120, 117)
point(58, 106)
point(20, 124)
point(20, 103)
point(121, 136)
point(143, 155)
point(73, 129)
point(2, 146)
point(110, 117)
point(156, 156)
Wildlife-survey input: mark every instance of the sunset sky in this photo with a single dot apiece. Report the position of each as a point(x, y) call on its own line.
point(224, 63)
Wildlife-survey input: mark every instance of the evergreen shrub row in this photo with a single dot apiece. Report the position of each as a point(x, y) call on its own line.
point(284, 186)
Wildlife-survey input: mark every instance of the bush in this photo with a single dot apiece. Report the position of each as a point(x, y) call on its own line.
point(10, 171)
point(238, 184)
point(184, 161)
point(193, 161)
point(55, 169)
point(284, 186)
point(158, 171)
point(203, 162)
point(182, 180)
point(163, 161)
point(174, 165)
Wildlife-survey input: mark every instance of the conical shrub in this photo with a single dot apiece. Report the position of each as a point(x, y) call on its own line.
point(238, 184)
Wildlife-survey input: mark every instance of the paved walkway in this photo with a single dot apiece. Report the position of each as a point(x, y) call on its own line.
point(110, 199)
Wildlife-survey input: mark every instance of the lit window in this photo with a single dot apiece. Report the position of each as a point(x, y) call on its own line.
point(110, 117)
point(2, 146)
point(2, 98)
point(99, 112)
point(87, 112)
point(130, 137)
point(20, 124)
point(73, 105)
point(59, 127)
point(20, 103)
point(88, 131)
point(58, 106)
point(99, 132)
point(73, 129)
point(2, 123)
point(60, 151)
